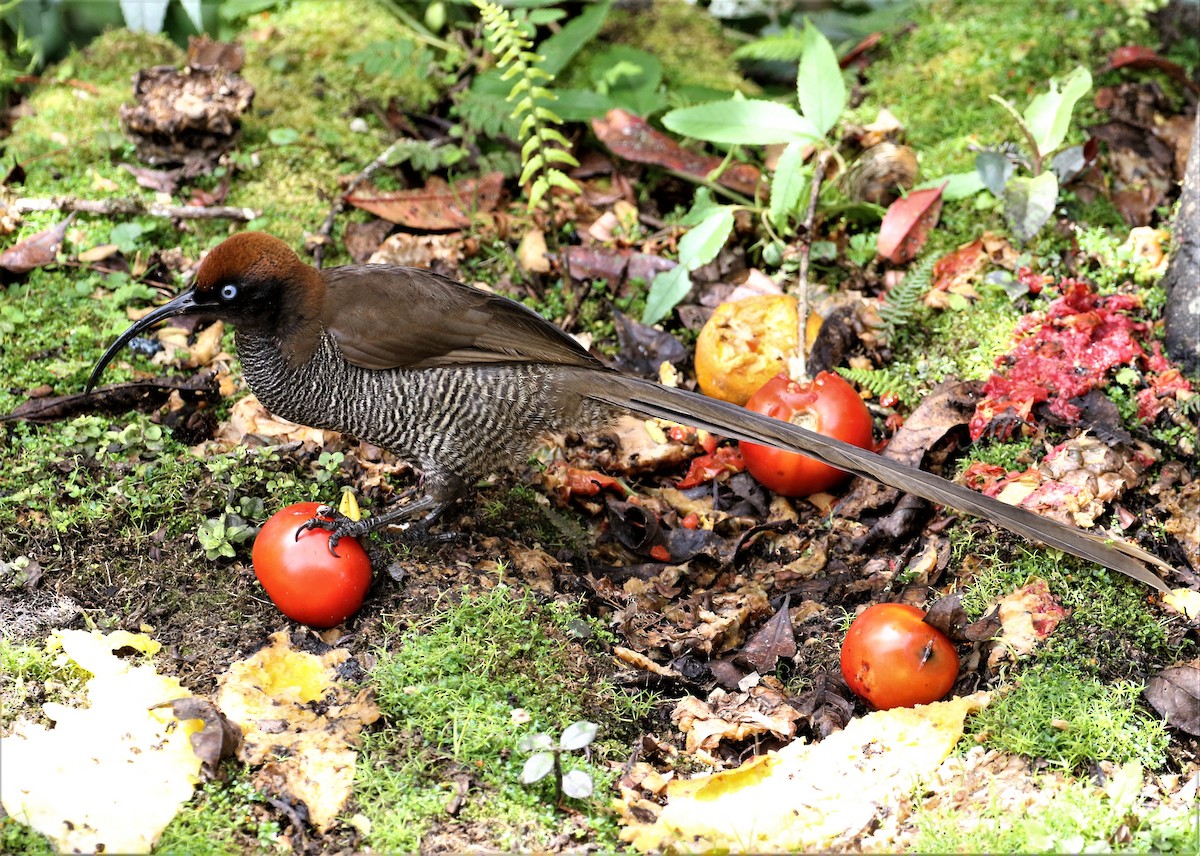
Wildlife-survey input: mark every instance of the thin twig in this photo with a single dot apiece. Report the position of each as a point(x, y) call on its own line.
point(806, 238)
point(339, 201)
point(129, 207)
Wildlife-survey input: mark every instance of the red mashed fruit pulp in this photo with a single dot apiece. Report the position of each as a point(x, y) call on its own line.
point(1066, 351)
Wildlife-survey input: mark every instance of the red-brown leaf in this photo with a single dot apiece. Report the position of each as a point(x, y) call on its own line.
point(36, 251)
point(631, 137)
point(907, 223)
point(437, 206)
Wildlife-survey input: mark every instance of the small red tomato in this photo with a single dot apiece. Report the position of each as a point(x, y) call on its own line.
point(891, 658)
point(302, 577)
point(827, 405)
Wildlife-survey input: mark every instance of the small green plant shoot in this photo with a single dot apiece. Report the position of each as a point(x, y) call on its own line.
point(547, 759)
point(1029, 200)
point(821, 94)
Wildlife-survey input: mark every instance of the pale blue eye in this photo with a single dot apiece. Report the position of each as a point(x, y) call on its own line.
point(229, 292)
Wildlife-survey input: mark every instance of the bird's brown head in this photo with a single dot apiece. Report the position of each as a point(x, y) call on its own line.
point(252, 281)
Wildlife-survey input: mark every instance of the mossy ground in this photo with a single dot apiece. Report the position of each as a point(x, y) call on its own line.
point(110, 506)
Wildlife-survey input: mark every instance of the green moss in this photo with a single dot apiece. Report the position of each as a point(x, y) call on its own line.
point(941, 74)
point(1109, 633)
point(29, 675)
point(71, 140)
point(452, 689)
point(222, 818)
point(19, 838)
point(960, 342)
point(1078, 818)
point(1061, 715)
point(310, 76)
point(692, 46)
point(1012, 456)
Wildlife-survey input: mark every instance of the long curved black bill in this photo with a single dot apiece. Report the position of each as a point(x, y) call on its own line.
point(181, 305)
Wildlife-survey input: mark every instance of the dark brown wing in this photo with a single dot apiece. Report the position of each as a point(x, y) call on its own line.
point(386, 316)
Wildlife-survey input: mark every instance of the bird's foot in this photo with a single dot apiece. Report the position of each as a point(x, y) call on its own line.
point(338, 526)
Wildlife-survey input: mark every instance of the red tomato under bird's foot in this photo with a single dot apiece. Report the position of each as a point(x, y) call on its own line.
point(303, 579)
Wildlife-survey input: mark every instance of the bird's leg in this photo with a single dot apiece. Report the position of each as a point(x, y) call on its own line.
point(436, 495)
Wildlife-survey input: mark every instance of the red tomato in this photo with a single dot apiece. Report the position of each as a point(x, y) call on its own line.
point(302, 577)
point(891, 658)
point(827, 405)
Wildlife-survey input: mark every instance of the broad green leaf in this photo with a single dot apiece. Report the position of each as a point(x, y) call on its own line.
point(1049, 114)
point(582, 105)
point(703, 204)
point(736, 120)
point(283, 136)
point(1029, 202)
point(958, 185)
point(577, 735)
point(126, 236)
point(537, 767)
point(577, 784)
point(788, 183)
point(537, 742)
point(559, 48)
point(668, 288)
point(144, 16)
point(819, 84)
point(994, 170)
point(703, 241)
point(631, 78)
point(1068, 163)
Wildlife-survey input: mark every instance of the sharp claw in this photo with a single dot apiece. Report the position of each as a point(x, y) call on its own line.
point(303, 527)
point(333, 541)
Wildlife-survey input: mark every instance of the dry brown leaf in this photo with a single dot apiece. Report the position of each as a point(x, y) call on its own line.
point(531, 252)
point(409, 250)
point(437, 206)
point(248, 416)
point(763, 709)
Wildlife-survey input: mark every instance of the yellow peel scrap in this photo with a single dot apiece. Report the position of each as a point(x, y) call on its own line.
point(108, 777)
point(808, 797)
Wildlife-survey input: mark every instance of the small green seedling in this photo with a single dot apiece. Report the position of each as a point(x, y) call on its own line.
point(547, 759)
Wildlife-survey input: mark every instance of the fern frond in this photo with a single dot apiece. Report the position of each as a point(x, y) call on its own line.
point(530, 96)
point(884, 381)
point(903, 302)
point(784, 46)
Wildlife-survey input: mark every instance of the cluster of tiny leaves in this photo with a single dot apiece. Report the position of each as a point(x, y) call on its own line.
point(543, 146)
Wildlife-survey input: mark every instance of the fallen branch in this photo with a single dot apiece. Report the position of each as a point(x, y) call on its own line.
point(128, 207)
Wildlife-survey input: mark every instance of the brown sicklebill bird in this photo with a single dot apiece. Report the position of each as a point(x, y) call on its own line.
point(458, 382)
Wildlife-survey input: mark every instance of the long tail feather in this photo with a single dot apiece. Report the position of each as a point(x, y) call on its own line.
point(729, 420)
